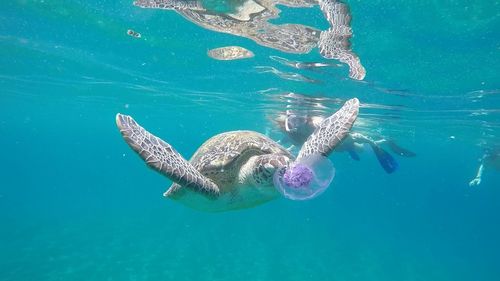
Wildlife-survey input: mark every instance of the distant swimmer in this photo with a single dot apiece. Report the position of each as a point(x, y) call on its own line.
point(491, 159)
point(133, 33)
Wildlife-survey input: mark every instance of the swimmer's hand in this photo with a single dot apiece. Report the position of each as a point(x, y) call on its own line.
point(475, 182)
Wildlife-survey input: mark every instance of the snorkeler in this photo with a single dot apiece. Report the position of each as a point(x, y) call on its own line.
point(491, 158)
point(298, 125)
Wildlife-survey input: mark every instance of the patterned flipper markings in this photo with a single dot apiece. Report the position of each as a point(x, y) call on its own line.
point(331, 131)
point(334, 42)
point(162, 157)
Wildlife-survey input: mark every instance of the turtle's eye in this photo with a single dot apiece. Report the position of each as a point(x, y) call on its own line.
point(269, 167)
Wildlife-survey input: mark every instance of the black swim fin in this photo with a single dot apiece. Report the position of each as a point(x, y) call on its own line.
point(385, 159)
point(400, 150)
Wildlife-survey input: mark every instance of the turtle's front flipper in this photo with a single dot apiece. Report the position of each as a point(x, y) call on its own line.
point(331, 131)
point(162, 157)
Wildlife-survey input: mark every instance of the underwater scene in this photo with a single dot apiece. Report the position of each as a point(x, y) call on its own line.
point(249, 140)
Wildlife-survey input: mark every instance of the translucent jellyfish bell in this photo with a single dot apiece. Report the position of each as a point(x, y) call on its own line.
point(306, 179)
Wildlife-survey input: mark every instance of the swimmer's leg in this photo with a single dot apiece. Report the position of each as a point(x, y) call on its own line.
point(400, 150)
point(385, 159)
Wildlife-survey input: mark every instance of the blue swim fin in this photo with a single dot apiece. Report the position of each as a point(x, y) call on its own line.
point(385, 159)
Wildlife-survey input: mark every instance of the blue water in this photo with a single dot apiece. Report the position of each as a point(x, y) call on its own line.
point(77, 204)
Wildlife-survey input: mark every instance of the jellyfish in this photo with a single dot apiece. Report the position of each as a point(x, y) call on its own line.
point(306, 178)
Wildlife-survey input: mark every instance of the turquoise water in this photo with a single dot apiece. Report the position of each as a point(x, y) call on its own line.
point(77, 204)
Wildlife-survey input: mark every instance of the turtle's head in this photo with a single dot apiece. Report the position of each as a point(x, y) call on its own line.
point(259, 170)
point(305, 179)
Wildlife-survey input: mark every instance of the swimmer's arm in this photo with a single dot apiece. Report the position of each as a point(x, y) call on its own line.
point(362, 139)
point(477, 179)
point(381, 141)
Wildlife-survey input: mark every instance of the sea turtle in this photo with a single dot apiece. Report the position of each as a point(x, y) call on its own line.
point(232, 170)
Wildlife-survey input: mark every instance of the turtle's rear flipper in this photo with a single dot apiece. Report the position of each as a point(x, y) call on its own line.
point(385, 159)
point(162, 157)
point(400, 150)
point(331, 131)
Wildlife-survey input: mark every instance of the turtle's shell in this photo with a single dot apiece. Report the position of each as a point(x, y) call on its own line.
point(221, 157)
